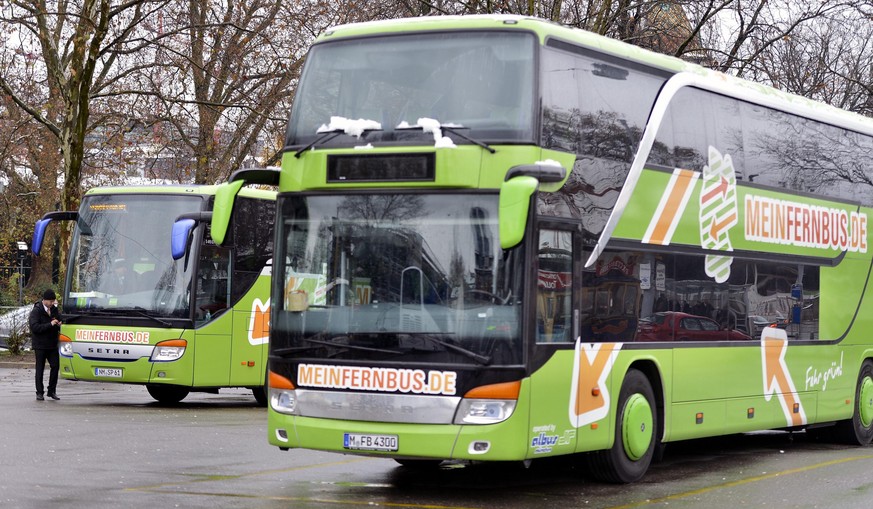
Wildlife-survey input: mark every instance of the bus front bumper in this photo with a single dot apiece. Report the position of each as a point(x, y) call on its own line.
point(505, 441)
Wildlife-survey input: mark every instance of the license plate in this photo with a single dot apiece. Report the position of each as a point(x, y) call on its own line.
point(108, 372)
point(363, 442)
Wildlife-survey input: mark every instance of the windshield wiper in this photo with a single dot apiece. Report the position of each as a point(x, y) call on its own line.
point(454, 130)
point(326, 136)
point(284, 352)
point(69, 318)
point(481, 359)
point(143, 312)
point(353, 347)
point(139, 311)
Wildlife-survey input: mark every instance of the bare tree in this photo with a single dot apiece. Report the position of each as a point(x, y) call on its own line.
point(58, 56)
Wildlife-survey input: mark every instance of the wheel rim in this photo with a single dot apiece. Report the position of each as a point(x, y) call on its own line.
point(865, 402)
point(637, 426)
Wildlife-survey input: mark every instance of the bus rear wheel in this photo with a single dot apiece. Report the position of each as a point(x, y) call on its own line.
point(635, 434)
point(859, 429)
point(167, 394)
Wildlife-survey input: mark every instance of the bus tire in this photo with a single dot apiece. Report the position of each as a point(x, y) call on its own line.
point(260, 394)
point(635, 434)
point(167, 394)
point(418, 464)
point(859, 429)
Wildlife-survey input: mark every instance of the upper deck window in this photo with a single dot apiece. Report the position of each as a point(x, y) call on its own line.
point(480, 82)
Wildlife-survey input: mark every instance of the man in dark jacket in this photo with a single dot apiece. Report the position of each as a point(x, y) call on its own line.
point(45, 325)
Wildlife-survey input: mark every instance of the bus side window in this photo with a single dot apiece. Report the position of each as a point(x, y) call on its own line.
point(554, 287)
point(213, 282)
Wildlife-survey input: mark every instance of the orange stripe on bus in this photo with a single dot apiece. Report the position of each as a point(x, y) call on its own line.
point(671, 208)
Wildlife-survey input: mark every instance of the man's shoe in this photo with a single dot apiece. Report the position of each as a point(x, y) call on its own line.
point(39, 397)
point(54, 396)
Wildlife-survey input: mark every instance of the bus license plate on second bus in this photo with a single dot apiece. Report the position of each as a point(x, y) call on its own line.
point(370, 442)
point(110, 372)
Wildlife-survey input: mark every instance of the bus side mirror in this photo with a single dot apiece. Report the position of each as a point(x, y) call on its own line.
point(225, 196)
point(180, 237)
point(39, 235)
point(181, 234)
point(514, 205)
point(42, 224)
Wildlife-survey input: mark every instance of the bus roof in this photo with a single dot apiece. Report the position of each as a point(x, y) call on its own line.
point(180, 189)
point(546, 29)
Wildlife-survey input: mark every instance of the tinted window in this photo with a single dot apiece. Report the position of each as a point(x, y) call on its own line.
point(767, 146)
point(252, 239)
point(597, 109)
point(756, 295)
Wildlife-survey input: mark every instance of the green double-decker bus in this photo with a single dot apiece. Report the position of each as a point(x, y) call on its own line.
point(501, 239)
point(150, 299)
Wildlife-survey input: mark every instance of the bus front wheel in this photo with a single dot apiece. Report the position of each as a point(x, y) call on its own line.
point(635, 433)
point(260, 394)
point(167, 394)
point(859, 429)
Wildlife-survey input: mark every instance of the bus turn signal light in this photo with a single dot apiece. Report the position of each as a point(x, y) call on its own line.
point(280, 382)
point(506, 390)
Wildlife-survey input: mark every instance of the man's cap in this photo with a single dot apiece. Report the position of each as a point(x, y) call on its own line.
point(49, 295)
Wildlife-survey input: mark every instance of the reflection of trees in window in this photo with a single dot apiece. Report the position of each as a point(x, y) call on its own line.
point(383, 207)
point(596, 109)
point(604, 142)
point(809, 156)
point(767, 146)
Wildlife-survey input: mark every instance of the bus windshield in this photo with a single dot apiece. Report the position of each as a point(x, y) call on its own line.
point(481, 84)
point(416, 277)
point(121, 258)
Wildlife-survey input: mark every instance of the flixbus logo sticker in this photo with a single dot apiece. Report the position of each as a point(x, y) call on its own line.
point(589, 390)
point(259, 323)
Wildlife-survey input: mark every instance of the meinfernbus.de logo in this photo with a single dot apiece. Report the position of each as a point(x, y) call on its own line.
point(415, 381)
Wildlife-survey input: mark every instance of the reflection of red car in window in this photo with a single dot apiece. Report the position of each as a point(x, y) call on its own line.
point(674, 326)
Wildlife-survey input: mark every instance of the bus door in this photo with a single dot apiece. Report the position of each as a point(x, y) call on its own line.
point(214, 325)
point(557, 326)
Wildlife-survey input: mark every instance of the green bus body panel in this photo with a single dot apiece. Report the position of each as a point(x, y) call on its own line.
point(466, 166)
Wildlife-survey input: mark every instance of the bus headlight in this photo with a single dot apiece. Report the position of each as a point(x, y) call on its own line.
point(488, 404)
point(65, 346)
point(284, 401)
point(167, 351)
point(483, 411)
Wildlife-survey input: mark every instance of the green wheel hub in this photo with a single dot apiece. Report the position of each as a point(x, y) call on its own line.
point(638, 426)
point(865, 402)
